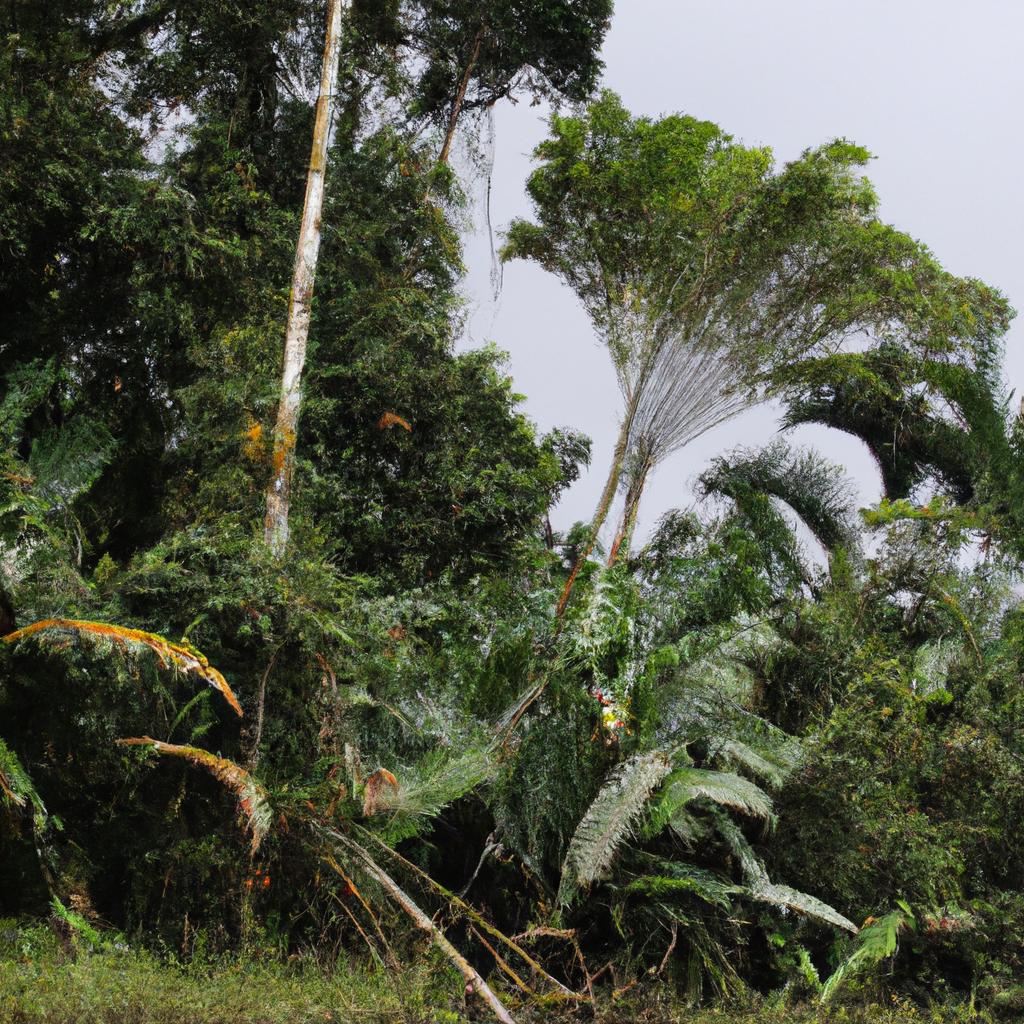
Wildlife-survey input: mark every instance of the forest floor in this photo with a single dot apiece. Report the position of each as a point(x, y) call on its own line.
point(45, 982)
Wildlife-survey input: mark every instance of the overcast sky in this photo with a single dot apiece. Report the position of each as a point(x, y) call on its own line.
point(933, 88)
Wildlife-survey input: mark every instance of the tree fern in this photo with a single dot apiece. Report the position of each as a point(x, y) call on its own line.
point(610, 820)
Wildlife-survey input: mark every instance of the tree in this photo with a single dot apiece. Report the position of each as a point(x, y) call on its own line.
point(470, 54)
point(703, 268)
point(300, 302)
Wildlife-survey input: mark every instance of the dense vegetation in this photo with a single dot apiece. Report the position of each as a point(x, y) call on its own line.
point(773, 756)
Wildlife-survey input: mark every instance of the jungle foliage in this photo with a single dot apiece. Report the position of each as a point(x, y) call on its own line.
point(776, 751)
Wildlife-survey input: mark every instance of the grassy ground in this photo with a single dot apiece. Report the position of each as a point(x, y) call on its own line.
point(42, 982)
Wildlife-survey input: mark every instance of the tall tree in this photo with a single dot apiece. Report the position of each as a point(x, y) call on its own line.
point(300, 303)
point(703, 267)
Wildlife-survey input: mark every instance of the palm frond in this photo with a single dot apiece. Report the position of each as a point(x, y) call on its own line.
point(252, 797)
point(170, 655)
point(771, 766)
point(610, 820)
point(422, 791)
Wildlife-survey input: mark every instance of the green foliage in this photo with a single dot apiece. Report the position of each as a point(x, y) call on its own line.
point(403, 720)
point(876, 942)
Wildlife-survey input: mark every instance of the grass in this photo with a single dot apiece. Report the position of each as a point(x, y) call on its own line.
point(43, 982)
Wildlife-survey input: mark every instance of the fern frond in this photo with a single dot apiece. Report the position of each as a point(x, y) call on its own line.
point(609, 821)
point(688, 881)
point(723, 788)
point(252, 797)
point(170, 655)
point(876, 941)
point(15, 785)
point(762, 889)
point(772, 767)
point(424, 790)
point(800, 902)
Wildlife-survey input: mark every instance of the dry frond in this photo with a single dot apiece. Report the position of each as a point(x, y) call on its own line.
point(171, 655)
point(379, 793)
point(252, 797)
point(392, 419)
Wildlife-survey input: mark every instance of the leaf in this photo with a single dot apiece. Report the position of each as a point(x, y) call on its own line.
point(184, 659)
point(876, 941)
point(252, 797)
point(610, 820)
point(436, 781)
point(380, 789)
point(723, 788)
point(15, 785)
point(762, 889)
point(391, 419)
point(689, 881)
point(772, 769)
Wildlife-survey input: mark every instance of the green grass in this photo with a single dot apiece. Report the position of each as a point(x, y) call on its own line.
point(43, 983)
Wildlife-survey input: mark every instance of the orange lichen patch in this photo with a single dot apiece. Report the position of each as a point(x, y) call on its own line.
point(252, 797)
point(380, 787)
point(252, 440)
point(172, 655)
point(391, 419)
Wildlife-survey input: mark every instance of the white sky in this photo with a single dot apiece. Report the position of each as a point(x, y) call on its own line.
point(933, 88)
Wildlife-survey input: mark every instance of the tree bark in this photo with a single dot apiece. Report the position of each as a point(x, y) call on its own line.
point(629, 513)
point(301, 298)
point(460, 98)
point(601, 514)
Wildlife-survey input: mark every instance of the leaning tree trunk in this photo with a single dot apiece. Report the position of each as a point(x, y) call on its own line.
point(601, 514)
point(301, 298)
point(620, 546)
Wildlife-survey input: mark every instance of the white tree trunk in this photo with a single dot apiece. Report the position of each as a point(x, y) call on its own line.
point(300, 300)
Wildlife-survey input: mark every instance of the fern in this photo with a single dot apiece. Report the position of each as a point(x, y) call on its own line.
point(610, 820)
point(177, 656)
point(15, 785)
point(762, 889)
point(427, 788)
point(252, 797)
point(875, 942)
point(772, 767)
point(685, 880)
point(723, 788)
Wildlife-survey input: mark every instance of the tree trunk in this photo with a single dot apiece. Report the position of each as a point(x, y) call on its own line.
point(460, 97)
point(629, 513)
point(607, 497)
point(475, 983)
point(301, 298)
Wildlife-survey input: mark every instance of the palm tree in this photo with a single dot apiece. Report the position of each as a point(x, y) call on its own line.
point(704, 269)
